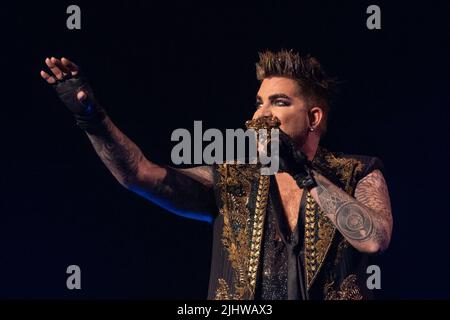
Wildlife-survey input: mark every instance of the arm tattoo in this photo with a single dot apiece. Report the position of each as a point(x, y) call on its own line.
point(187, 192)
point(366, 218)
point(350, 218)
point(118, 153)
point(354, 221)
point(372, 192)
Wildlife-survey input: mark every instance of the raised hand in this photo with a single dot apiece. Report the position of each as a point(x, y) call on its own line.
point(74, 91)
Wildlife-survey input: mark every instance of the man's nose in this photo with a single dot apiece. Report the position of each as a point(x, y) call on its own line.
point(263, 111)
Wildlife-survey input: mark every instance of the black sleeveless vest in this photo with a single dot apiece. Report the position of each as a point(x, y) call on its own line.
point(329, 266)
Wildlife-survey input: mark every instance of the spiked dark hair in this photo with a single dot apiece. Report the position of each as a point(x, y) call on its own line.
point(307, 71)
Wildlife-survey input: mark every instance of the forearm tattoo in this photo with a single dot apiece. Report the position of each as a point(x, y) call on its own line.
point(120, 154)
point(364, 218)
point(186, 192)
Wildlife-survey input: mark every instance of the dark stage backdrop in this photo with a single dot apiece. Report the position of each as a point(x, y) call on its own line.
point(160, 66)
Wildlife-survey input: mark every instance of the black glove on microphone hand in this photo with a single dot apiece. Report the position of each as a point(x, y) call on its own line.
point(295, 163)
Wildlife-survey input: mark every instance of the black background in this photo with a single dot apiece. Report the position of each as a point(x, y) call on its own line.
point(157, 67)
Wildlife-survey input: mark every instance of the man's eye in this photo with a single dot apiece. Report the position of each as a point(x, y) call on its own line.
point(281, 103)
point(258, 104)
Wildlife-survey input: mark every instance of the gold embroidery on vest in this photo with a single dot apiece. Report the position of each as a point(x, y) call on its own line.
point(260, 210)
point(346, 169)
point(223, 291)
point(343, 245)
point(348, 290)
point(242, 230)
point(319, 232)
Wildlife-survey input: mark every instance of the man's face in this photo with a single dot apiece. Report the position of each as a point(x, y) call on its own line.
point(281, 97)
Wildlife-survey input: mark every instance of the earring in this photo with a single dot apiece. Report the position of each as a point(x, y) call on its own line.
point(311, 129)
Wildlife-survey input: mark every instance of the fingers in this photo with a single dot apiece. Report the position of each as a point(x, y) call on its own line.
point(47, 77)
point(60, 66)
point(54, 69)
point(59, 69)
point(69, 65)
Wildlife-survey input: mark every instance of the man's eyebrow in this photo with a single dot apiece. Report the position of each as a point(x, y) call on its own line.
point(278, 95)
point(274, 97)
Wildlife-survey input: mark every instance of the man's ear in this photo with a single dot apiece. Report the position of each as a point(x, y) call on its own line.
point(315, 117)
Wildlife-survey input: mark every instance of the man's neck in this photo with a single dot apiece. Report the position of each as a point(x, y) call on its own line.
point(310, 147)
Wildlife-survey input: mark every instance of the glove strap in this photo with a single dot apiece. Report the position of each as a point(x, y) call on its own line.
point(306, 179)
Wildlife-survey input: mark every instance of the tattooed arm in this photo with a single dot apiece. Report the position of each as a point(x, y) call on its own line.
point(366, 220)
point(187, 192)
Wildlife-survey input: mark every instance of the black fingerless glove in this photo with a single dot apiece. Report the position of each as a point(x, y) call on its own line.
point(294, 162)
point(88, 114)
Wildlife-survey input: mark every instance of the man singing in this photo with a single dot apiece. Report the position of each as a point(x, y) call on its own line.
point(306, 232)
